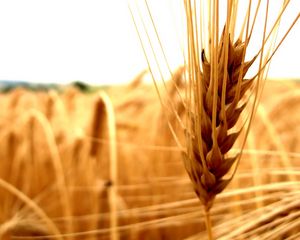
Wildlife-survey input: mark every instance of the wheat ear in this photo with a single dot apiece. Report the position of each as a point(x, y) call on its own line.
point(214, 113)
point(215, 86)
point(216, 89)
point(214, 107)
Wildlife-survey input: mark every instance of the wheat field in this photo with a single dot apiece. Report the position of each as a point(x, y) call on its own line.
point(104, 165)
point(208, 151)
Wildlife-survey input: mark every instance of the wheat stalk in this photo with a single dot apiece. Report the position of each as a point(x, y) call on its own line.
point(111, 128)
point(104, 128)
point(216, 88)
point(62, 187)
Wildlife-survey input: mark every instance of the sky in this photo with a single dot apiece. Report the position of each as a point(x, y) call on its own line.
point(93, 41)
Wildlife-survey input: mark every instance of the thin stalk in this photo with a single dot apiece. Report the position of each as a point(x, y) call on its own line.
point(208, 224)
point(111, 125)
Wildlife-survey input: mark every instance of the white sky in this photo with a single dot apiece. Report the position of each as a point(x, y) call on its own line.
point(88, 40)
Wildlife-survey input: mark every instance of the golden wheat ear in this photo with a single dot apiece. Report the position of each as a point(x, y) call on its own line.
point(215, 88)
point(205, 160)
point(216, 96)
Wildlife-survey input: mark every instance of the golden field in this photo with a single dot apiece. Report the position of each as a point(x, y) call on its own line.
point(104, 165)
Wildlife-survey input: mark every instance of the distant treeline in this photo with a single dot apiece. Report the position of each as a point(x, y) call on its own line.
point(7, 86)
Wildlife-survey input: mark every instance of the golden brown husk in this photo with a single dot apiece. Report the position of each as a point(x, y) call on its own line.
point(207, 174)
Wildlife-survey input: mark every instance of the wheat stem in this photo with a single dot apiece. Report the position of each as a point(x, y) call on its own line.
point(208, 224)
point(113, 163)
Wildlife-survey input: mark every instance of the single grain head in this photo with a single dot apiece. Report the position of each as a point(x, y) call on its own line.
point(214, 107)
point(216, 87)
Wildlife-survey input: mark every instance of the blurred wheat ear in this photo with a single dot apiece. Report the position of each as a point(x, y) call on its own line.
point(216, 90)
